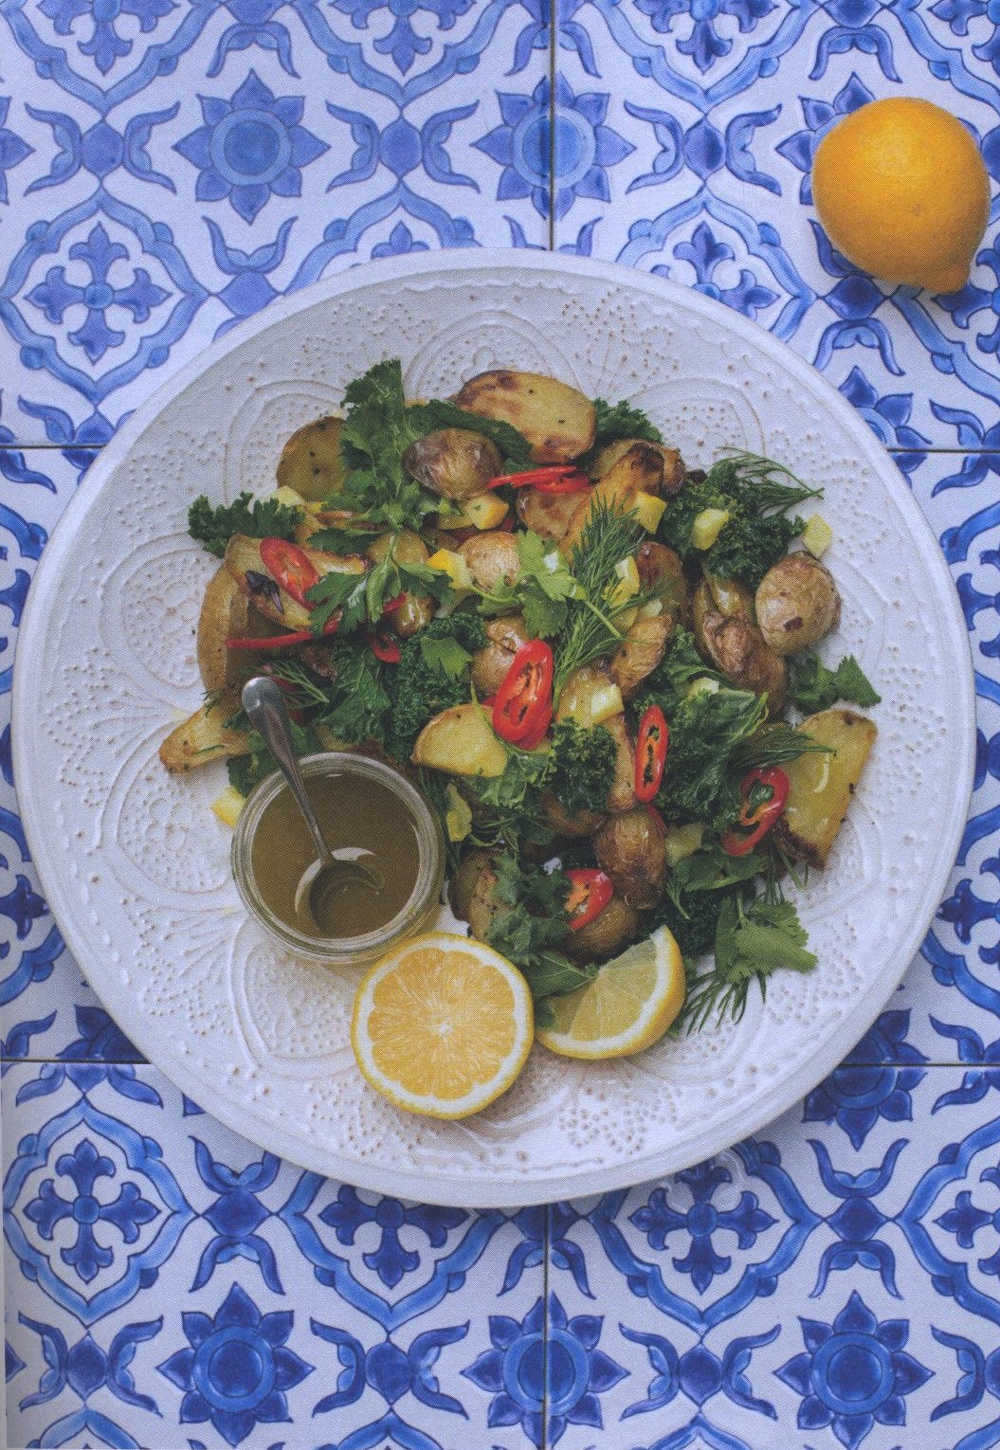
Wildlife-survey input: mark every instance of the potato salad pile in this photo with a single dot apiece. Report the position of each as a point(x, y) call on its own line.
point(598, 663)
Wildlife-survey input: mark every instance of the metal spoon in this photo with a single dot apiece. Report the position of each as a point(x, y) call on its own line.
point(333, 871)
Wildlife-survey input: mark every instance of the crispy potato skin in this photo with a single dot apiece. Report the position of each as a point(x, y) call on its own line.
point(608, 933)
point(491, 663)
point(736, 648)
point(631, 848)
point(310, 461)
point(556, 419)
point(640, 651)
point(454, 463)
point(821, 786)
point(546, 514)
point(618, 488)
point(492, 558)
point(797, 603)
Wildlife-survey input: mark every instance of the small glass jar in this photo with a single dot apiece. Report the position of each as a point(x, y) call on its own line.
point(424, 896)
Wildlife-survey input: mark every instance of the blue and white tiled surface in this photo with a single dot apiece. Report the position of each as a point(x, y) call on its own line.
point(167, 167)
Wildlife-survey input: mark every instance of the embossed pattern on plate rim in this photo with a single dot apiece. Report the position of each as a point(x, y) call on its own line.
point(424, 1183)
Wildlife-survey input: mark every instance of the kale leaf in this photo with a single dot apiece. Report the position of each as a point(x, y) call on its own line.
point(751, 941)
point(530, 931)
point(429, 417)
point(583, 764)
point(264, 518)
point(757, 533)
point(424, 686)
point(706, 730)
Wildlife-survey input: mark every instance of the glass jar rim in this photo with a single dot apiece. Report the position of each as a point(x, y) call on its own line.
point(430, 867)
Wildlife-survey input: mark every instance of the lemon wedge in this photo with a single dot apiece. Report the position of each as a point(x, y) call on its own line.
point(628, 1006)
point(442, 1025)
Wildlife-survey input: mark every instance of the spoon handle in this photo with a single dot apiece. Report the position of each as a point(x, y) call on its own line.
point(266, 710)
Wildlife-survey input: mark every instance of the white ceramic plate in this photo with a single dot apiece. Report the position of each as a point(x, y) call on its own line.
point(136, 868)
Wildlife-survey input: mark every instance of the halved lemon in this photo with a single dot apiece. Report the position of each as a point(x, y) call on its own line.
point(442, 1025)
point(626, 1007)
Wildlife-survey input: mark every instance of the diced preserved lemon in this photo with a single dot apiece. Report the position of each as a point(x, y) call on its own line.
point(649, 510)
point(627, 582)
point(707, 527)
point(228, 804)
point(290, 497)
point(481, 511)
point(452, 564)
point(458, 814)
point(817, 536)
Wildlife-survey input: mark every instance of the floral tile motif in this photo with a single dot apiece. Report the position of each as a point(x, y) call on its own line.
point(810, 1287)
point(166, 174)
point(715, 112)
point(171, 1284)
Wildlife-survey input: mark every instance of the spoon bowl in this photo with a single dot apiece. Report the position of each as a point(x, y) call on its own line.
point(325, 879)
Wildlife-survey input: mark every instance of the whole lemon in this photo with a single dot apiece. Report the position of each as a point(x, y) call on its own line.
point(902, 190)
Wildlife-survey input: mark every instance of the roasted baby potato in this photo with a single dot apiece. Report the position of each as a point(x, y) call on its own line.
point(665, 469)
point(821, 783)
point(455, 463)
point(556, 419)
point(621, 796)
point(204, 736)
point(735, 647)
point(472, 893)
point(631, 848)
point(582, 823)
point(490, 664)
point(460, 740)
point(797, 603)
point(242, 559)
point(547, 514)
point(492, 558)
point(661, 573)
point(310, 461)
point(609, 932)
point(416, 609)
point(640, 651)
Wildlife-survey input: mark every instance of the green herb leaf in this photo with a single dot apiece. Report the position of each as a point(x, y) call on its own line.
point(812, 687)
point(445, 654)
point(751, 942)
point(583, 766)
point(429, 417)
point(265, 518)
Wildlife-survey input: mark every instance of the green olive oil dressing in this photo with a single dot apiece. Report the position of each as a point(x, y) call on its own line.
point(351, 813)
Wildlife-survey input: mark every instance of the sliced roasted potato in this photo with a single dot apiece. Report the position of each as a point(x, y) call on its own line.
point(661, 573)
point(735, 647)
point(242, 559)
point(590, 696)
point(461, 741)
point(455, 463)
point(666, 479)
point(204, 736)
point(575, 826)
point(821, 783)
point(556, 419)
point(310, 461)
point(621, 796)
point(618, 489)
point(225, 614)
